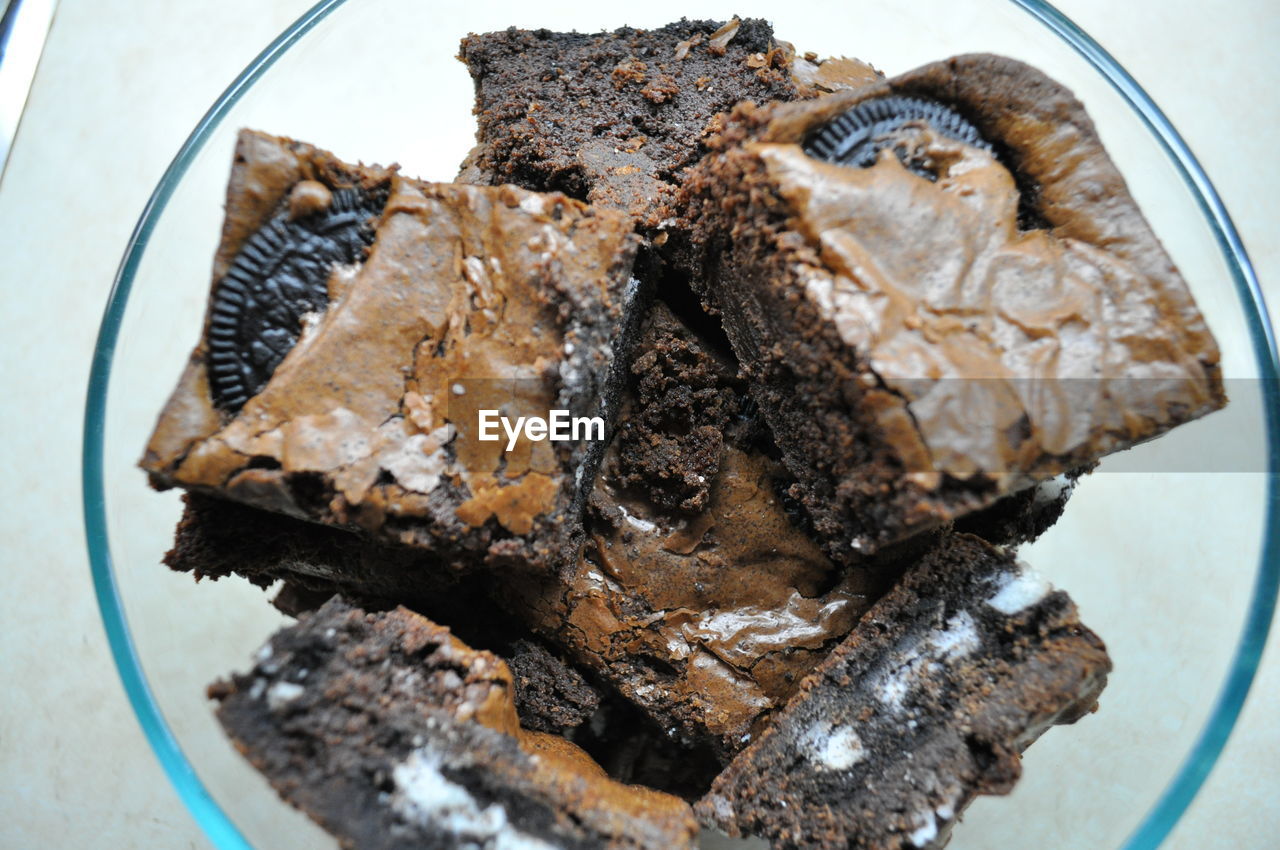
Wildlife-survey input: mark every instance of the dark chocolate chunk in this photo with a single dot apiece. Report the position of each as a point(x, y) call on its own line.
point(857, 136)
point(280, 275)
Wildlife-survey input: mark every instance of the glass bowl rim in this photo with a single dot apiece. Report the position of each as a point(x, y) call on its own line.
point(1195, 767)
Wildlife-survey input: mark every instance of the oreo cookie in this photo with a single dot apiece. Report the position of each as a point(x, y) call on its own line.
point(280, 275)
point(857, 136)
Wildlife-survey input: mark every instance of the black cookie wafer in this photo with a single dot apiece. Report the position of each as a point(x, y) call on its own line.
point(857, 136)
point(280, 275)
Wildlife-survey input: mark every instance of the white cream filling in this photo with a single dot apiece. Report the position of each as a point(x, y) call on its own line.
point(958, 639)
point(834, 748)
point(1018, 591)
point(281, 694)
point(925, 832)
point(425, 796)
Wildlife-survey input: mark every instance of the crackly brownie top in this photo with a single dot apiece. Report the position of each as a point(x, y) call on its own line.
point(470, 297)
point(963, 232)
point(614, 117)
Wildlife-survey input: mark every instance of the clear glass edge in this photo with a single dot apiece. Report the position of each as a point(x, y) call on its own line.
point(220, 829)
point(1177, 796)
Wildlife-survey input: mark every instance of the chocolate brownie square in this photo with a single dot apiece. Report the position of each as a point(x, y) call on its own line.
point(391, 733)
point(942, 293)
point(360, 322)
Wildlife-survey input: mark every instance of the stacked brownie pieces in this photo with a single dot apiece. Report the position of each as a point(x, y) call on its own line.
point(836, 331)
point(699, 593)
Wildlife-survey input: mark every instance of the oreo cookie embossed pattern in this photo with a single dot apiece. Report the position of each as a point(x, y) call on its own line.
point(856, 137)
point(280, 275)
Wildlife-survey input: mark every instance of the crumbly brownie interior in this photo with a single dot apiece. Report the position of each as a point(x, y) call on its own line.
point(612, 118)
point(927, 704)
point(700, 594)
point(1023, 516)
point(422, 747)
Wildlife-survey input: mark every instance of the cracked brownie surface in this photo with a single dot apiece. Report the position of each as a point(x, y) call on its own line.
point(469, 298)
point(954, 322)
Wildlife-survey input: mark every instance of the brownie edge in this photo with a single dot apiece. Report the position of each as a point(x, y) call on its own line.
point(926, 705)
point(391, 733)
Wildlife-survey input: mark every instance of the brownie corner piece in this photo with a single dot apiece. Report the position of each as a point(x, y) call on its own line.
point(391, 733)
point(928, 703)
point(942, 292)
point(365, 332)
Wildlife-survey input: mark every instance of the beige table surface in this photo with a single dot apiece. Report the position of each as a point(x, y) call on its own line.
point(119, 87)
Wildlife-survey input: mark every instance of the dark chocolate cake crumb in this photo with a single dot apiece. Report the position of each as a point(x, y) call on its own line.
point(686, 395)
point(550, 695)
point(927, 704)
point(614, 117)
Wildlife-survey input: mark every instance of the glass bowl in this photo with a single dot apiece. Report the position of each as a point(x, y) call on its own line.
point(1169, 549)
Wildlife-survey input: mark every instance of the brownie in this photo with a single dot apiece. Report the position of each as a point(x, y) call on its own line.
point(550, 695)
point(391, 733)
point(397, 316)
point(1023, 516)
point(613, 117)
point(217, 537)
point(928, 703)
point(780, 582)
point(942, 293)
point(700, 595)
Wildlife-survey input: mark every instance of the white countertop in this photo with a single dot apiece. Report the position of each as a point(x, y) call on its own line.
point(119, 87)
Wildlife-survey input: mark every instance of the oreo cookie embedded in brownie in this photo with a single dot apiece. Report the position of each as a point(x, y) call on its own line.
point(390, 733)
point(928, 703)
point(613, 118)
point(942, 293)
point(366, 340)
